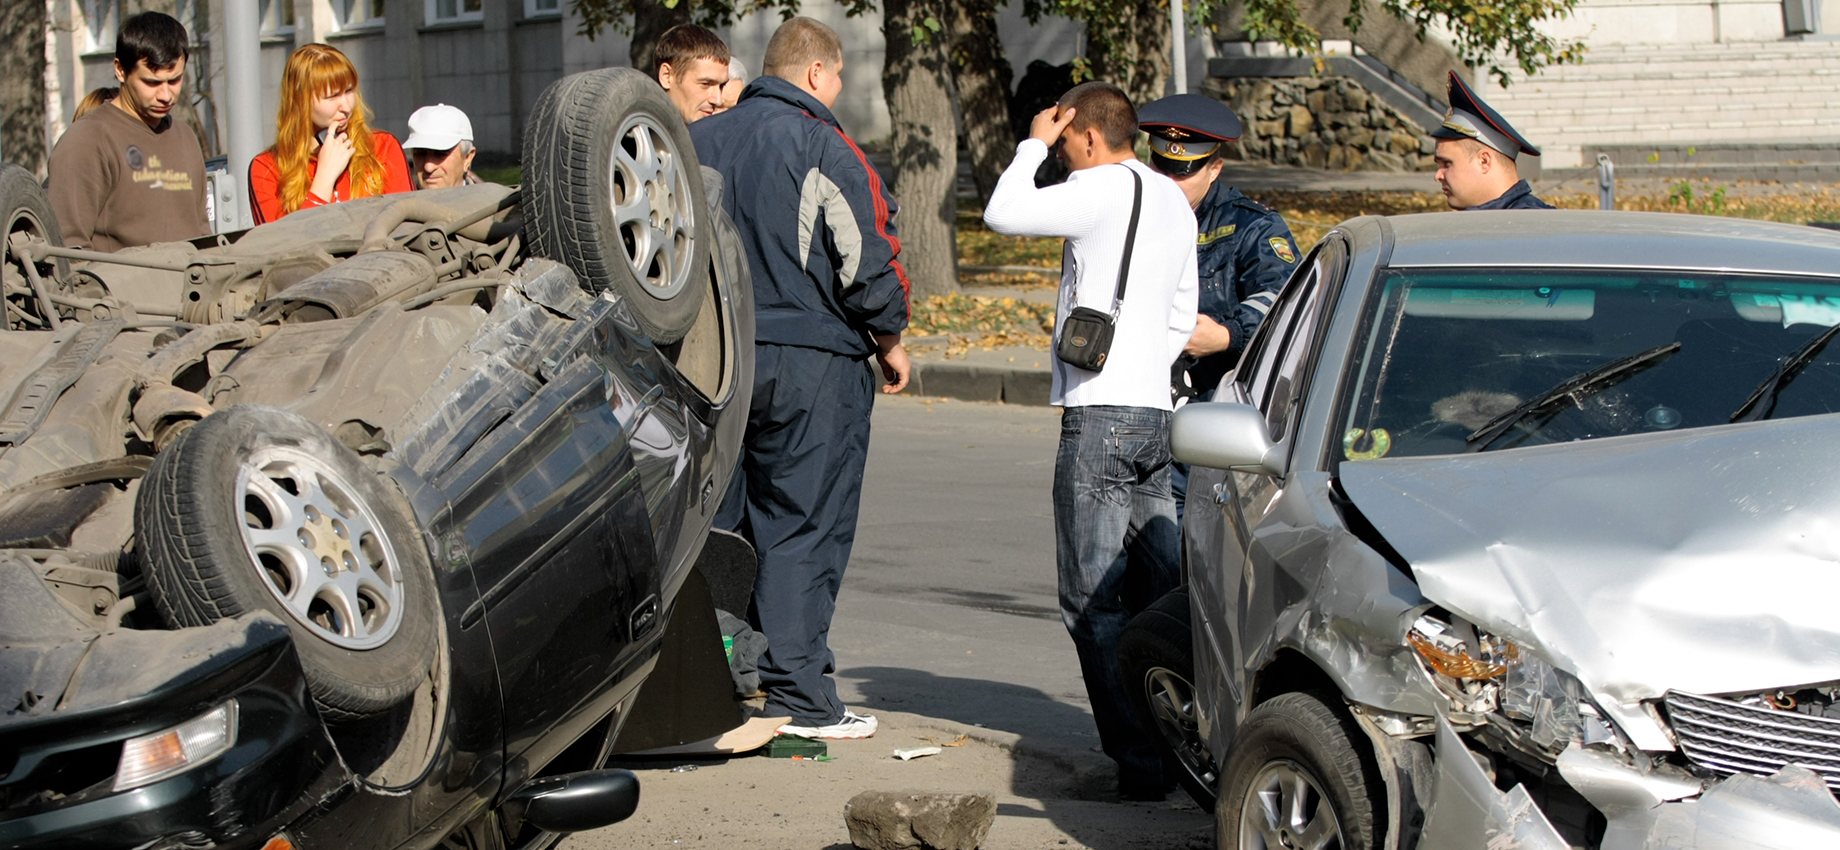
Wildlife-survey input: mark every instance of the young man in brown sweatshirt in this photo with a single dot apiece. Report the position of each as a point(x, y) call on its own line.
point(127, 174)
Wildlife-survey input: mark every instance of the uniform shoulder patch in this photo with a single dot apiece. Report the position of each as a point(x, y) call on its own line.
point(1282, 247)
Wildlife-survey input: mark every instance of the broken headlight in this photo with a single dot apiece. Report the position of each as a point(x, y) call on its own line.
point(1485, 675)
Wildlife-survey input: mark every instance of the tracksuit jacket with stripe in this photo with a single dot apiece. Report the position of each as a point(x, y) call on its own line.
point(815, 217)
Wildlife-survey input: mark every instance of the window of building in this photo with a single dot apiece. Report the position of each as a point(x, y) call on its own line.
point(101, 18)
point(455, 11)
point(357, 14)
point(277, 17)
point(542, 8)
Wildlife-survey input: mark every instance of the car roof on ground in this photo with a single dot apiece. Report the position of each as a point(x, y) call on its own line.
point(1596, 239)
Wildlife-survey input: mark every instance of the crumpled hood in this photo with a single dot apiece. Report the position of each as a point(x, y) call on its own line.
point(1705, 560)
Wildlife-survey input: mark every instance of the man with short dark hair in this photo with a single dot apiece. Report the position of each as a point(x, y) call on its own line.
point(1478, 155)
point(127, 174)
point(817, 227)
point(691, 64)
point(1114, 518)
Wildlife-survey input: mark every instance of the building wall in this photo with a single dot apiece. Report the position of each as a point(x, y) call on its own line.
point(496, 68)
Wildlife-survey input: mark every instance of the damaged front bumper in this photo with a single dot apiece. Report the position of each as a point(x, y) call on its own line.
point(61, 754)
point(1790, 809)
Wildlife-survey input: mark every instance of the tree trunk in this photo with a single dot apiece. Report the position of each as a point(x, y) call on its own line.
point(982, 74)
point(650, 20)
point(22, 84)
point(924, 141)
point(1139, 59)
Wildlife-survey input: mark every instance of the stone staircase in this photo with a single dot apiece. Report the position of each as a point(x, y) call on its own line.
point(1750, 106)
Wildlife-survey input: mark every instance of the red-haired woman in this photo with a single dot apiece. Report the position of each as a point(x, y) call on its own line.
point(325, 151)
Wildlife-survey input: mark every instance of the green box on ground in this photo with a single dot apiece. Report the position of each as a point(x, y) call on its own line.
point(787, 746)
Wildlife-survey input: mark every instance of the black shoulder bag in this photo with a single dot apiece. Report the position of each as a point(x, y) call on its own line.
point(1086, 336)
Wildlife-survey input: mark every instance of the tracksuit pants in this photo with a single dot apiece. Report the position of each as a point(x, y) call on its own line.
point(800, 488)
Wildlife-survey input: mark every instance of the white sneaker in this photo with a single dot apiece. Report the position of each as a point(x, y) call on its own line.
point(852, 725)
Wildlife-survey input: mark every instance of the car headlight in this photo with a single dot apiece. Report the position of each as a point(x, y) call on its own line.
point(1484, 674)
point(170, 752)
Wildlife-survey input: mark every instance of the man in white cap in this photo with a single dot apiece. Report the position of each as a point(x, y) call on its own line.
point(441, 144)
point(737, 80)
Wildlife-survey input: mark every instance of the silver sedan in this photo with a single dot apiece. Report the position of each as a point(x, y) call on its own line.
point(1517, 529)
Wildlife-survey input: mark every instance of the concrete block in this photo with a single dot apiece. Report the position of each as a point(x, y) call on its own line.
point(1025, 386)
point(957, 380)
point(912, 820)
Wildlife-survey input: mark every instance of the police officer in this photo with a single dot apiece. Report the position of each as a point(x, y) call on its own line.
point(1244, 251)
point(1477, 156)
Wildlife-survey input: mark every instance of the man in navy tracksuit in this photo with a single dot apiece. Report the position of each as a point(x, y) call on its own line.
point(815, 221)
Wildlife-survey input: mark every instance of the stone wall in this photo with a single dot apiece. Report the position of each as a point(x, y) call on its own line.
point(1320, 122)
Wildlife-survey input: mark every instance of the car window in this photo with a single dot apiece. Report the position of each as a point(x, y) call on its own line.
point(1259, 363)
point(1287, 383)
point(1442, 355)
point(1275, 376)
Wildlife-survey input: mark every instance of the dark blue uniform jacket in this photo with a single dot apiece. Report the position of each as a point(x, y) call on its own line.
point(1244, 253)
point(1518, 197)
point(815, 220)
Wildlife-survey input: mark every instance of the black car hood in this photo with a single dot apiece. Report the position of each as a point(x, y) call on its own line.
point(1705, 560)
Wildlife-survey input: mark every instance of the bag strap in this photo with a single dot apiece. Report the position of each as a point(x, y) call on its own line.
point(1130, 239)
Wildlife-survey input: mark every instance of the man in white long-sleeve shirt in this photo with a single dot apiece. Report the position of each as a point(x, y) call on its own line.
point(1114, 518)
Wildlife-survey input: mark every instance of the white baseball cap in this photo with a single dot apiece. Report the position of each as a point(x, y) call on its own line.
point(437, 128)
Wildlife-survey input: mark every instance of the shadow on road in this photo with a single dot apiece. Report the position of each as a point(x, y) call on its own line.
point(1054, 756)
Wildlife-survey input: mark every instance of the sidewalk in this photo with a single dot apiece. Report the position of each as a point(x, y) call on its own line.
point(1049, 798)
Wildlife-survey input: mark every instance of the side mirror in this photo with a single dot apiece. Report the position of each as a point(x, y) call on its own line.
point(1224, 435)
point(577, 802)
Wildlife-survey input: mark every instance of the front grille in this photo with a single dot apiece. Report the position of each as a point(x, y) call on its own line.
point(1730, 737)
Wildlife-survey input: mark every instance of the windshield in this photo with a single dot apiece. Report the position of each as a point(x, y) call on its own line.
point(1454, 360)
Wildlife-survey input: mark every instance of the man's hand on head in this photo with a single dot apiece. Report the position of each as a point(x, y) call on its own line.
point(1048, 124)
point(896, 367)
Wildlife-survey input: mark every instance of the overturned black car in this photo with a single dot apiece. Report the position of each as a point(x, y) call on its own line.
point(363, 528)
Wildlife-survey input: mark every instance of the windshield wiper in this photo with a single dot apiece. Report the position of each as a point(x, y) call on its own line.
point(1762, 401)
point(1572, 391)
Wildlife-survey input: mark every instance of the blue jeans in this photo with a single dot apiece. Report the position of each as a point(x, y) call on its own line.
point(1116, 548)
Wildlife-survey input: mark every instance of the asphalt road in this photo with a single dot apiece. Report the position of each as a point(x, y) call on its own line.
point(947, 621)
point(948, 608)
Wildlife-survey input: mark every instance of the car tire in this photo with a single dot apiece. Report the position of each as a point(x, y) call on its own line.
point(1298, 745)
point(612, 190)
point(26, 208)
point(1156, 656)
point(254, 509)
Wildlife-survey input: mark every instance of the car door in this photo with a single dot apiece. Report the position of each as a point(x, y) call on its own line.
point(1226, 508)
point(553, 518)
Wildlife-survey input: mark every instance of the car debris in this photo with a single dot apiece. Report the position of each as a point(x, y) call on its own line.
point(364, 527)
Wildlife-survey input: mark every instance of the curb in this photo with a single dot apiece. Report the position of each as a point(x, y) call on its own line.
point(971, 382)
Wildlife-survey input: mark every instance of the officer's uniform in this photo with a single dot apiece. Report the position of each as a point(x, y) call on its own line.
point(1470, 118)
point(1244, 251)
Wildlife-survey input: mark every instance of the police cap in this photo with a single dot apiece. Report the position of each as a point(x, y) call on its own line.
point(1186, 130)
point(1470, 118)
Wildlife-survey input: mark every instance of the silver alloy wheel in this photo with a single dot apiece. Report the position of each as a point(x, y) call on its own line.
point(1286, 809)
point(652, 206)
point(1172, 704)
point(319, 549)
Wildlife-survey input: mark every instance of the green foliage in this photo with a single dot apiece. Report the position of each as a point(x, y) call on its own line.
point(1488, 33)
point(598, 16)
point(1682, 195)
point(925, 29)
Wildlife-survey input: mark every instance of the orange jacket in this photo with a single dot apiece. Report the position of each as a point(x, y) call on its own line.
point(265, 179)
